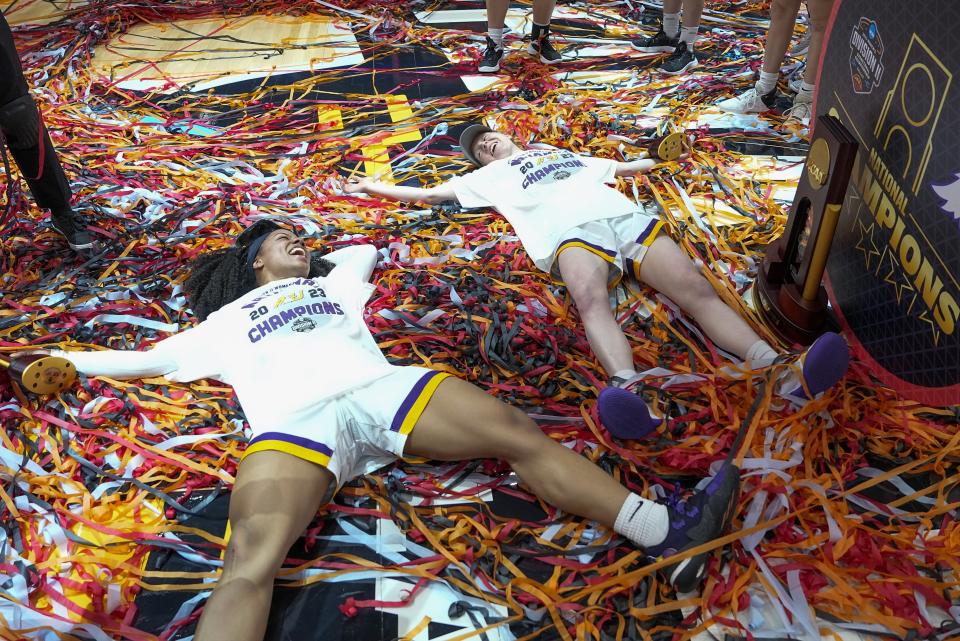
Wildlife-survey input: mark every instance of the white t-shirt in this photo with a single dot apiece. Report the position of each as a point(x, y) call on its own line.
point(544, 193)
point(284, 347)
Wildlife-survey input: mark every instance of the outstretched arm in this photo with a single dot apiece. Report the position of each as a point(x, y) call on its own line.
point(183, 356)
point(430, 195)
point(120, 364)
point(634, 167)
point(358, 259)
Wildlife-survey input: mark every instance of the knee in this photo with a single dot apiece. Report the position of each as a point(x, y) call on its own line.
point(589, 299)
point(693, 288)
point(521, 438)
point(254, 552)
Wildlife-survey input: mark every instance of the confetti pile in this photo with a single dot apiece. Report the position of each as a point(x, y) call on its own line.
point(848, 509)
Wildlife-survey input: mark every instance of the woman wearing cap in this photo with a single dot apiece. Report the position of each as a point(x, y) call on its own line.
point(324, 406)
point(589, 235)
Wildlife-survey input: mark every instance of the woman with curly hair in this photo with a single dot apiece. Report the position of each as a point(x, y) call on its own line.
point(324, 406)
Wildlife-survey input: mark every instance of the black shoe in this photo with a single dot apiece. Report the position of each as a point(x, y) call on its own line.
point(703, 517)
point(491, 57)
point(679, 61)
point(658, 43)
point(68, 225)
point(543, 48)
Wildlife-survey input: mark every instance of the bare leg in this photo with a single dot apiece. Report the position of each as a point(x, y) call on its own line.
point(692, 11)
point(671, 6)
point(783, 19)
point(275, 498)
point(462, 422)
point(585, 275)
point(542, 11)
point(497, 13)
point(819, 16)
point(667, 269)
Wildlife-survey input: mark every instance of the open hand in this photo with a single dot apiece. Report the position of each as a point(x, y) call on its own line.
point(356, 185)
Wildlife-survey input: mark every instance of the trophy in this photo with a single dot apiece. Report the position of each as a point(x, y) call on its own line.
point(791, 298)
point(41, 373)
point(667, 148)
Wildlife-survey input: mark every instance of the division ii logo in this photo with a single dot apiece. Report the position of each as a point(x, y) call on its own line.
point(866, 51)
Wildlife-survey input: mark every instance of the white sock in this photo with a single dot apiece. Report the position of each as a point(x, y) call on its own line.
point(767, 82)
point(805, 94)
point(644, 522)
point(625, 374)
point(671, 24)
point(497, 36)
point(761, 350)
point(689, 35)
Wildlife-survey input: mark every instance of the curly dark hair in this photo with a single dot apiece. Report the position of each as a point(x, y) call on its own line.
point(220, 277)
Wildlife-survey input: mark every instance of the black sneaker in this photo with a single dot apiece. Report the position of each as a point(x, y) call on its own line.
point(491, 57)
point(703, 517)
point(679, 61)
point(658, 43)
point(68, 225)
point(542, 47)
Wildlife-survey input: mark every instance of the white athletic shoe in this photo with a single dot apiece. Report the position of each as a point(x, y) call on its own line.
point(800, 112)
point(749, 102)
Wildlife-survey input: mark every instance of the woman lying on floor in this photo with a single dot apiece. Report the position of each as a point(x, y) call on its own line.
point(324, 406)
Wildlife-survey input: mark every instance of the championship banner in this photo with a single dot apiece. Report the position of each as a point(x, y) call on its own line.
point(889, 75)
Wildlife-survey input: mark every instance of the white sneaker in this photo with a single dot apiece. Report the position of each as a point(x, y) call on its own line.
point(800, 112)
point(749, 101)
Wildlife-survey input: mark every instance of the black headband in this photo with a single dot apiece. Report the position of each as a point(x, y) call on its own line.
point(252, 238)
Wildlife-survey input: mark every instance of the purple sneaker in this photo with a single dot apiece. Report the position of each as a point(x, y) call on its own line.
point(823, 364)
point(703, 517)
point(625, 414)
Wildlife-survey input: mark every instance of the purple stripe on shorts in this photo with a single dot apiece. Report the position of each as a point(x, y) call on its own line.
point(603, 250)
point(646, 232)
point(410, 400)
point(295, 440)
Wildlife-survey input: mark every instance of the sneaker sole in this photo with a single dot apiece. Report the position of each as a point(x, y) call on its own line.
point(689, 65)
point(624, 414)
point(657, 49)
point(824, 364)
point(687, 575)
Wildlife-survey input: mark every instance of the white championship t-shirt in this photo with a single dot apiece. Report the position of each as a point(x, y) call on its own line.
point(544, 193)
point(284, 347)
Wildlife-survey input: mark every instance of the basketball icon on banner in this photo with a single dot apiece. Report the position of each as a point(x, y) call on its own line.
point(895, 264)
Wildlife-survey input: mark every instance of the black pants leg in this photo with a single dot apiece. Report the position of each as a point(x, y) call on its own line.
point(35, 156)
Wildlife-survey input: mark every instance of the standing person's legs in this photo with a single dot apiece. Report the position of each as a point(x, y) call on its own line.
point(496, 16)
point(692, 11)
point(819, 17)
point(671, 17)
point(666, 39)
point(274, 499)
point(543, 11)
point(31, 147)
point(762, 96)
point(460, 422)
point(540, 33)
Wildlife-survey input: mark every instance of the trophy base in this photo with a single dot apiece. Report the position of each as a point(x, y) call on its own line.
point(784, 310)
point(42, 374)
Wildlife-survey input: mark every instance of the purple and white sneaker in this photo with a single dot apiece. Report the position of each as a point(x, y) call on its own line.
point(703, 517)
point(625, 414)
point(823, 364)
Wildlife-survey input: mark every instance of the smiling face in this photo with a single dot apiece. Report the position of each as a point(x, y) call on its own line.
point(282, 255)
point(493, 145)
